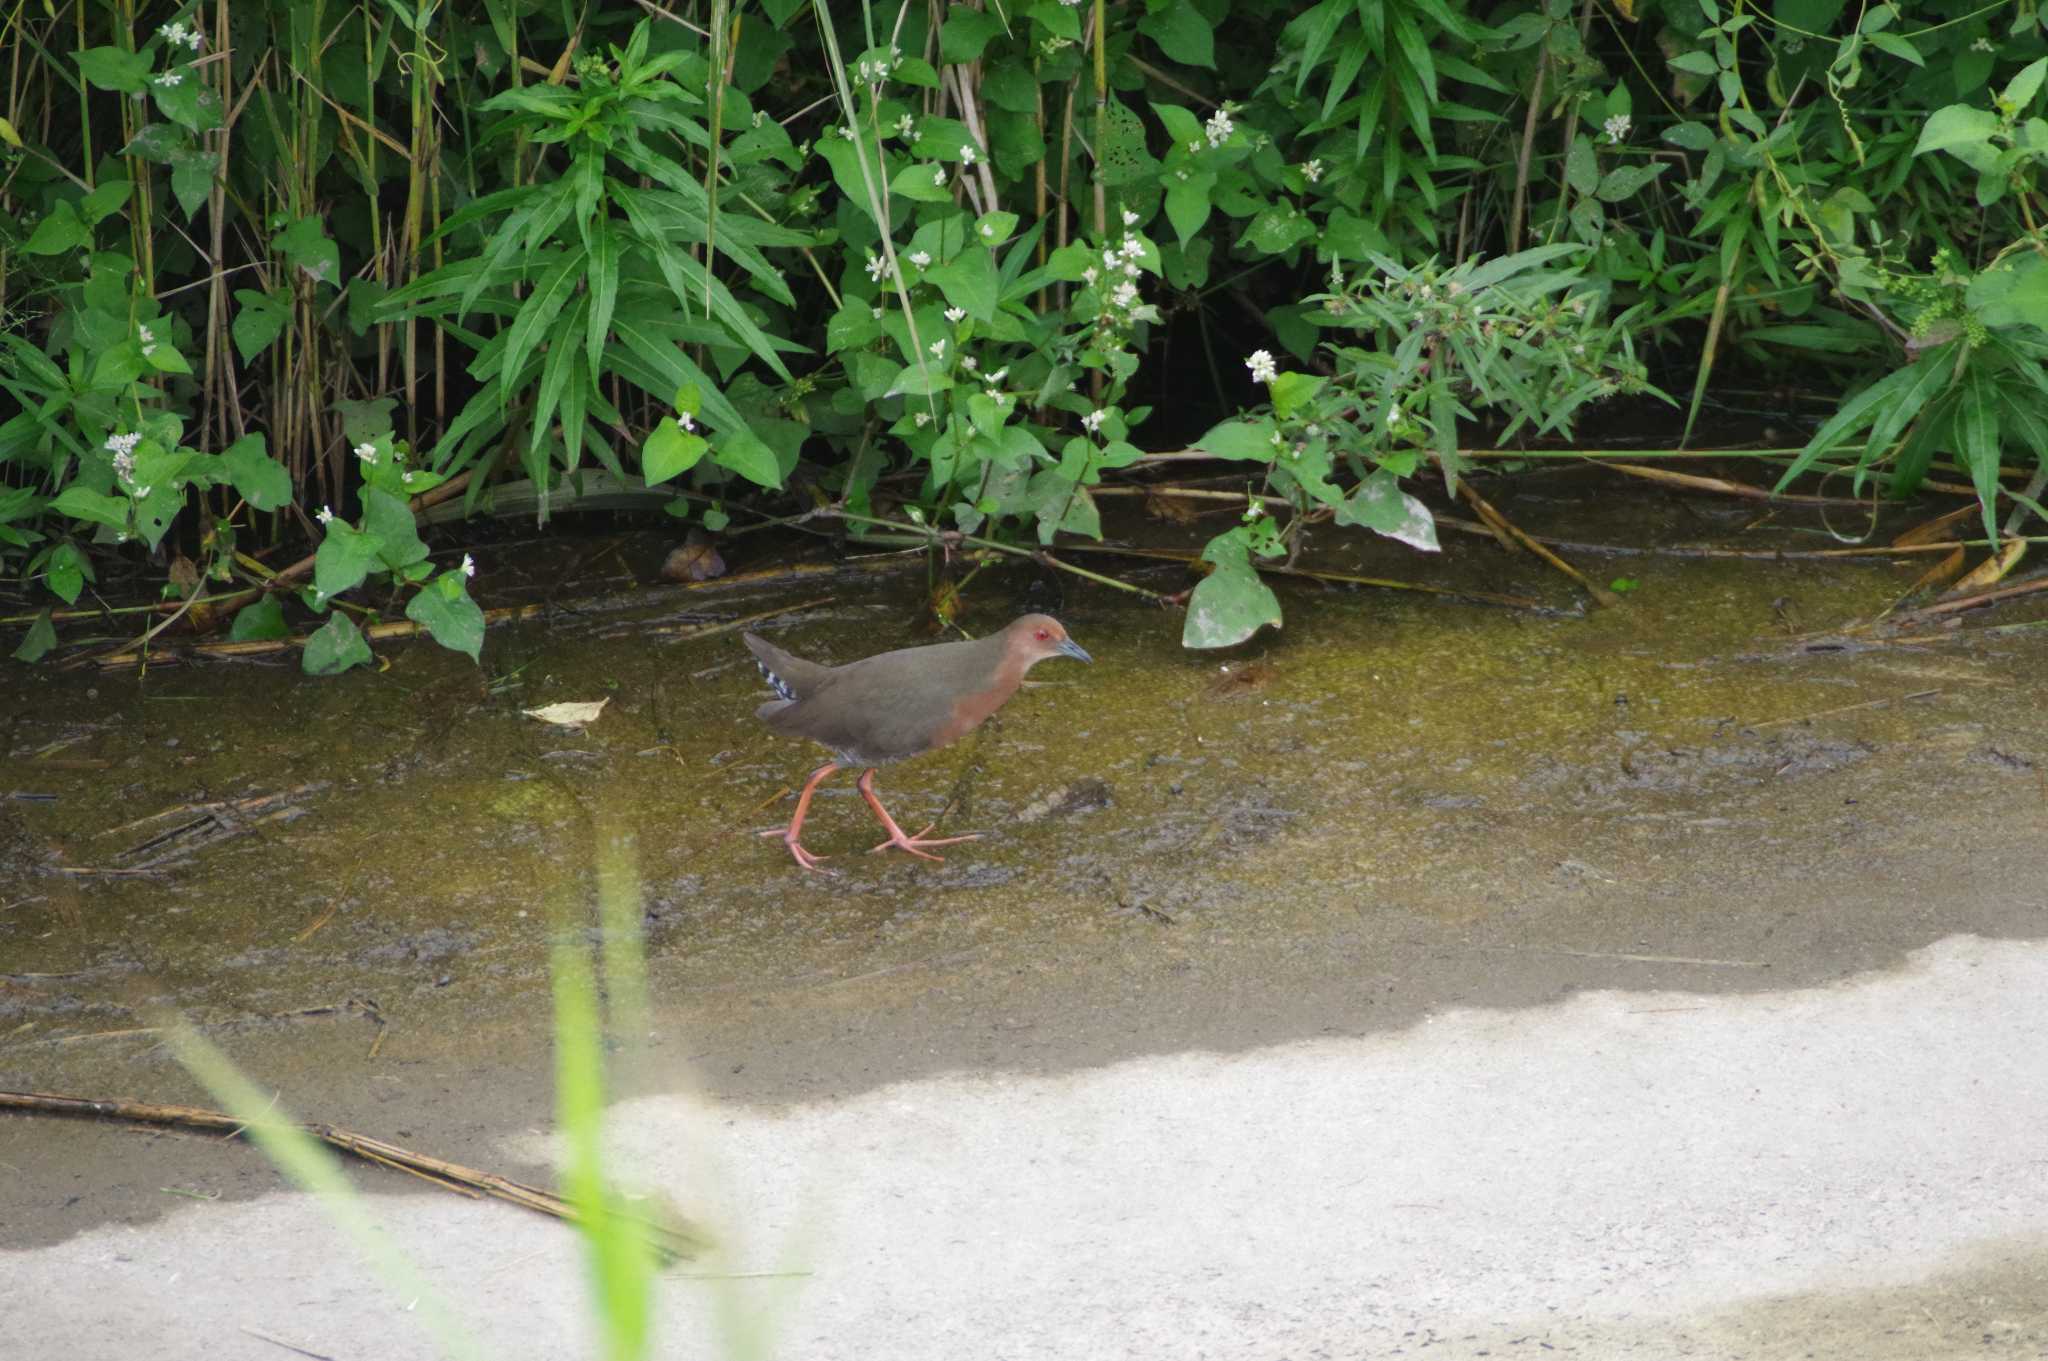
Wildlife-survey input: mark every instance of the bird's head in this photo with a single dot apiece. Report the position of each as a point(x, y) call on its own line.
point(1038, 636)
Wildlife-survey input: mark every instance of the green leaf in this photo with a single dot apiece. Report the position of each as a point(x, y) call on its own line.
point(444, 609)
point(65, 572)
point(966, 33)
point(59, 231)
point(192, 179)
point(1187, 202)
point(109, 68)
point(42, 636)
point(1251, 439)
point(550, 295)
point(1623, 181)
point(334, 647)
point(1581, 166)
point(1380, 505)
point(104, 200)
point(261, 622)
point(1228, 606)
point(2021, 89)
point(1291, 391)
point(604, 290)
point(305, 246)
point(190, 103)
point(942, 139)
point(923, 183)
point(259, 479)
point(389, 519)
point(969, 281)
point(1182, 33)
point(1898, 47)
point(742, 451)
point(259, 321)
point(99, 508)
point(670, 450)
point(343, 559)
point(1958, 129)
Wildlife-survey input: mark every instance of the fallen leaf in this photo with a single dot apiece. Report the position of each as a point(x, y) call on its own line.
point(570, 714)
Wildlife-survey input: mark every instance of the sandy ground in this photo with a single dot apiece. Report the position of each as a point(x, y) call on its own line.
point(1422, 984)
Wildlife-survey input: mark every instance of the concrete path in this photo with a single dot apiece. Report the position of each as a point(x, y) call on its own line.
point(1857, 1170)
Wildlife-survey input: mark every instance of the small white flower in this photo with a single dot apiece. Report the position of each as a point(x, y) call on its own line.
point(920, 258)
point(124, 444)
point(145, 333)
point(956, 315)
point(1982, 45)
point(1092, 422)
point(988, 231)
point(876, 267)
point(847, 133)
point(1254, 508)
point(939, 177)
point(124, 467)
point(1126, 295)
point(938, 348)
point(407, 479)
point(468, 565)
point(923, 418)
point(148, 350)
point(1194, 148)
point(967, 154)
point(1312, 171)
point(1088, 276)
point(366, 452)
point(905, 126)
point(1616, 128)
point(324, 516)
point(1219, 127)
point(1130, 218)
point(170, 78)
point(876, 312)
point(141, 493)
point(999, 375)
point(1260, 362)
point(173, 32)
point(1393, 417)
point(685, 420)
point(194, 39)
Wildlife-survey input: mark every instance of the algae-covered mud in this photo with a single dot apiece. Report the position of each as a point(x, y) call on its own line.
point(1397, 808)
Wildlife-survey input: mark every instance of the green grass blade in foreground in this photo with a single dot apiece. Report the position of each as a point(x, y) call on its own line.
point(315, 1169)
point(620, 1257)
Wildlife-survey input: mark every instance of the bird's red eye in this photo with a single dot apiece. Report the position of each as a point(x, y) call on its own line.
point(1044, 634)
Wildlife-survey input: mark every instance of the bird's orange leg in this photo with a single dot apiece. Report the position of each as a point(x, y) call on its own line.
point(796, 821)
point(897, 838)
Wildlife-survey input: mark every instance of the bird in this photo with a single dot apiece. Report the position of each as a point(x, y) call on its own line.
point(897, 705)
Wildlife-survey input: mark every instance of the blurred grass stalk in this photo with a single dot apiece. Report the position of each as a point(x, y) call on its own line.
point(621, 1254)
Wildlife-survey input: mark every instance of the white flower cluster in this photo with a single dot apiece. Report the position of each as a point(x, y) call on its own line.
point(1219, 127)
point(123, 449)
point(1312, 171)
point(367, 452)
point(1616, 128)
point(177, 35)
point(148, 339)
point(1260, 362)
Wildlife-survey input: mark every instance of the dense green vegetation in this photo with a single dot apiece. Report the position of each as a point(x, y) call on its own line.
point(277, 269)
